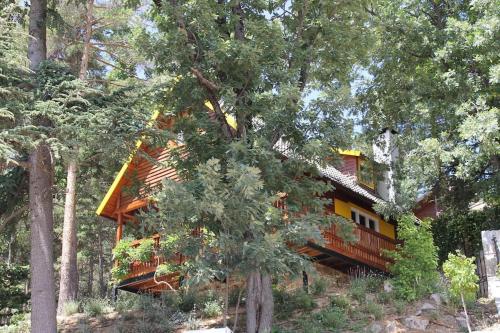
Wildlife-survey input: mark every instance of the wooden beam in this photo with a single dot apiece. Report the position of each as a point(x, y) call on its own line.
point(119, 228)
point(136, 204)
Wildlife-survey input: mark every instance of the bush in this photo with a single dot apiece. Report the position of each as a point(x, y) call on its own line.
point(233, 296)
point(384, 297)
point(415, 262)
point(340, 301)
point(303, 301)
point(93, 307)
point(19, 323)
point(358, 289)
point(374, 283)
point(126, 301)
point(71, 308)
point(400, 306)
point(373, 309)
point(332, 318)
point(188, 300)
point(319, 286)
point(211, 309)
point(286, 303)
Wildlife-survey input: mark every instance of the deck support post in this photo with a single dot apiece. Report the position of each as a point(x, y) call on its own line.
point(305, 282)
point(114, 294)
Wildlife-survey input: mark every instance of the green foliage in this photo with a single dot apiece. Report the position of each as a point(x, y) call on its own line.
point(340, 301)
point(125, 253)
point(333, 318)
point(94, 307)
point(233, 296)
point(303, 301)
point(318, 287)
point(457, 229)
point(358, 289)
point(400, 305)
point(211, 308)
point(434, 77)
point(461, 274)
point(188, 301)
point(143, 252)
point(12, 293)
point(287, 302)
point(372, 308)
point(71, 307)
point(385, 297)
point(19, 323)
point(415, 261)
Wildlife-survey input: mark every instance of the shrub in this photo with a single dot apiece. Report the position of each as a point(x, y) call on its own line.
point(71, 308)
point(188, 301)
point(384, 297)
point(319, 286)
point(19, 323)
point(358, 289)
point(340, 301)
point(303, 300)
point(211, 309)
point(233, 296)
point(286, 303)
point(311, 326)
point(332, 318)
point(400, 306)
point(127, 301)
point(96, 306)
point(415, 262)
point(374, 283)
point(373, 309)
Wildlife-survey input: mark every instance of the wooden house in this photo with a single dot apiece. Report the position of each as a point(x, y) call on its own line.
point(354, 193)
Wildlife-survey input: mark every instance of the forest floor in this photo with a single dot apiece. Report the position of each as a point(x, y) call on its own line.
point(341, 306)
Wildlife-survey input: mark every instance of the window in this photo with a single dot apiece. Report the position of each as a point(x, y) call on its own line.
point(364, 219)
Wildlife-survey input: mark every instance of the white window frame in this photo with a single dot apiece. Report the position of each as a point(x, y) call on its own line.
point(367, 218)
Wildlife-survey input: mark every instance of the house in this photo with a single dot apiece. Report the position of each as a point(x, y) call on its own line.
point(354, 192)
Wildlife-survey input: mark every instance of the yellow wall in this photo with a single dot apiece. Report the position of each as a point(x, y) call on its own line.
point(343, 208)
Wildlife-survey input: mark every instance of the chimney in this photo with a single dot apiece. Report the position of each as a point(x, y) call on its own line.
point(386, 152)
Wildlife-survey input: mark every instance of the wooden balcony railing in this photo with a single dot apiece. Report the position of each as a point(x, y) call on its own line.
point(142, 268)
point(368, 249)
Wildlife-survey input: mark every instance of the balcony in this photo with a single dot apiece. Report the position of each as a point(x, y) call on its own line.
point(141, 276)
point(367, 250)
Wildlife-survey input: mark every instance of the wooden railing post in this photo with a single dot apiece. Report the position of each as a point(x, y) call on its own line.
point(119, 228)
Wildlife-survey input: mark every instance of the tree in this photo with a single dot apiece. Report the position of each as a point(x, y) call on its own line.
point(435, 77)
point(415, 261)
point(258, 63)
point(461, 274)
point(68, 288)
point(43, 303)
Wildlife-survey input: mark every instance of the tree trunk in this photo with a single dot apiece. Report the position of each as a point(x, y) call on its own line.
point(466, 314)
point(68, 287)
point(90, 281)
point(102, 283)
point(37, 44)
point(86, 42)
point(259, 303)
point(43, 300)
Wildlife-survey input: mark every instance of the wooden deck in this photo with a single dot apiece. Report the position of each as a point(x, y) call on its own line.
point(367, 251)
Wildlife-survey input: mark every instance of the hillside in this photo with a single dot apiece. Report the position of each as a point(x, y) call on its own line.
point(336, 303)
